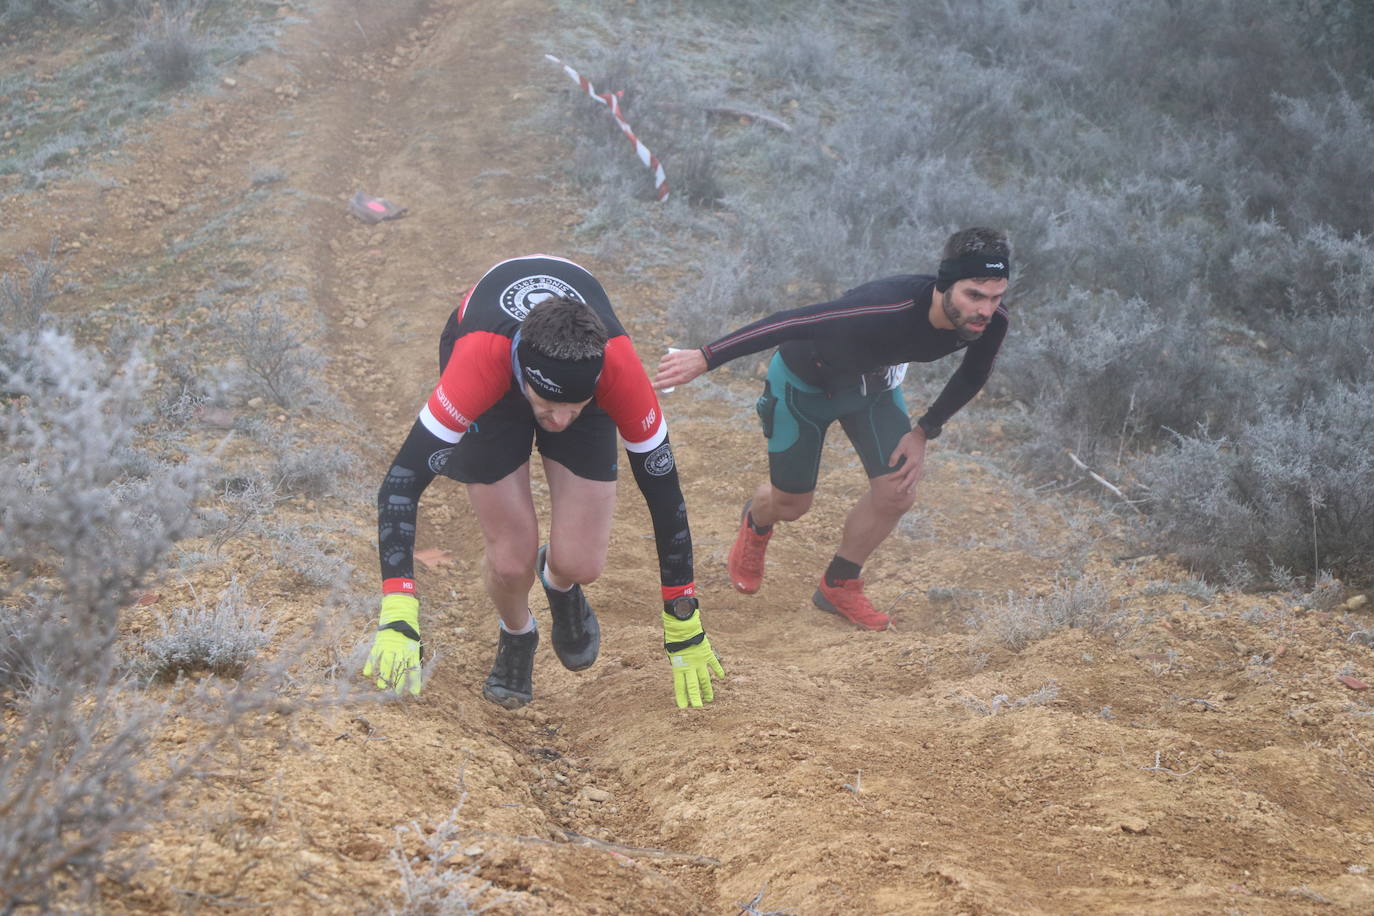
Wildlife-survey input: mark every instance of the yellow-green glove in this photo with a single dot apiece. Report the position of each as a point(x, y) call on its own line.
point(395, 656)
point(689, 652)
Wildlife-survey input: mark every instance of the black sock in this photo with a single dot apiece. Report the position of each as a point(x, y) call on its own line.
point(755, 528)
point(841, 569)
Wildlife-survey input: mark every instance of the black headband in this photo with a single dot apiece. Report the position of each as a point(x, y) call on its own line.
point(564, 380)
point(964, 267)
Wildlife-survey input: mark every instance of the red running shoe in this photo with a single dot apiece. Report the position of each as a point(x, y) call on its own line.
point(848, 601)
point(745, 563)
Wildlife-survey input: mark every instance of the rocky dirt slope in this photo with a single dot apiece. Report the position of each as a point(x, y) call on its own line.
point(1201, 758)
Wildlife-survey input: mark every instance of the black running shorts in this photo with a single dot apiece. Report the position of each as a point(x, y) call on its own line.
point(795, 417)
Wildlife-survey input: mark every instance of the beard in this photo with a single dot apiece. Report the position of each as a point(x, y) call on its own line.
point(960, 322)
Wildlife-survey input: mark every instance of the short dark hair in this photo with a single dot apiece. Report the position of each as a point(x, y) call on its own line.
point(977, 240)
point(564, 328)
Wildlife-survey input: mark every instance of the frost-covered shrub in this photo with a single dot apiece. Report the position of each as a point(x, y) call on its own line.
point(1104, 376)
point(1021, 620)
point(1313, 353)
point(222, 639)
point(799, 53)
point(301, 469)
point(1293, 489)
point(272, 355)
point(24, 303)
point(1335, 134)
point(76, 540)
point(439, 875)
point(175, 54)
point(1272, 271)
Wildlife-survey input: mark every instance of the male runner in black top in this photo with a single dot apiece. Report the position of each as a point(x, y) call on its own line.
point(535, 355)
point(845, 360)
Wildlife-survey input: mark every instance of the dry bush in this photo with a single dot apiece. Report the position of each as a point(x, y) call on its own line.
point(1292, 489)
point(175, 54)
point(441, 879)
point(24, 303)
point(272, 356)
point(79, 540)
point(1020, 620)
point(1044, 695)
point(222, 639)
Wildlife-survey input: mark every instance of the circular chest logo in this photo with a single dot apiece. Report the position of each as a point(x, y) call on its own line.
point(527, 292)
point(660, 462)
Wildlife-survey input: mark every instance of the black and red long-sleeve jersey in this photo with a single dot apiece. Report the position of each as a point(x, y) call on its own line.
point(873, 330)
point(481, 371)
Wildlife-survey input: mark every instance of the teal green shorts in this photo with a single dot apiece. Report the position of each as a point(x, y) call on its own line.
point(796, 415)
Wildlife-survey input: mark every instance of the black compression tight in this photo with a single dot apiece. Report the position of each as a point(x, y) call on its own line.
point(398, 501)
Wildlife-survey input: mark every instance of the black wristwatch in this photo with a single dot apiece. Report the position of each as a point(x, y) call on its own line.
point(682, 607)
point(931, 430)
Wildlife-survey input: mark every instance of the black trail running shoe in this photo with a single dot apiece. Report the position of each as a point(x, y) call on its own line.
point(511, 682)
point(576, 632)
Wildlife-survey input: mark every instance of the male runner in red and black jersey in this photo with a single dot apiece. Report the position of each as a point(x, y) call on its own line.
point(535, 355)
point(845, 360)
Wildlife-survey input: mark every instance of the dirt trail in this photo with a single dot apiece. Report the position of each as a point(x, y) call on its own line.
point(1208, 764)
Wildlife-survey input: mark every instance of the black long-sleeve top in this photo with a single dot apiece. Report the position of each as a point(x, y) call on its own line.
point(872, 329)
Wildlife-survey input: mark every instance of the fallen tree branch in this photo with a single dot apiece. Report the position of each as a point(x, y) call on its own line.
point(776, 123)
point(1106, 483)
point(730, 111)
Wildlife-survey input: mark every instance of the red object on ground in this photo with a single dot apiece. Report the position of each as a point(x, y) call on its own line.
point(371, 209)
point(1353, 683)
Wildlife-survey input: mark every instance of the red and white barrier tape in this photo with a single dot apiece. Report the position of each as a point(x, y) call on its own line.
point(612, 101)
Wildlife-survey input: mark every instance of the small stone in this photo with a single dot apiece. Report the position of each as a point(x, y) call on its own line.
point(1135, 825)
point(229, 82)
point(1356, 602)
point(1353, 683)
point(255, 402)
point(360, 322)
point(592, 793)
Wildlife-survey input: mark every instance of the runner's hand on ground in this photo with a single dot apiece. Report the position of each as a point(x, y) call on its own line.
point(395, 655)
point(690, 655)
point(678, 367)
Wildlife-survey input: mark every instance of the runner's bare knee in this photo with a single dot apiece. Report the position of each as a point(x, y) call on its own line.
point(571, 564)
point(789, 507)
point(510, 563)
point(888, 500)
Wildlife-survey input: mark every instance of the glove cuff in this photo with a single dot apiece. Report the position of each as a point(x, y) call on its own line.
point(400, 626)
point(399, 608)
point(682, 634)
